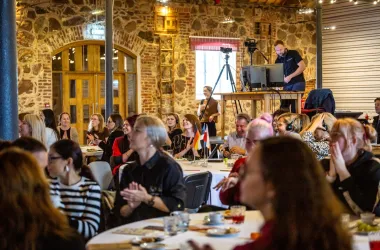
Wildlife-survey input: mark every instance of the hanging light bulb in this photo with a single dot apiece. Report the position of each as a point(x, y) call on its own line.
point(375, 2)
point(320, 1)
point(355, 2)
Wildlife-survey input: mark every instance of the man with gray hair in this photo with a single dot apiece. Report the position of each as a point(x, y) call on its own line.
point(235, 143)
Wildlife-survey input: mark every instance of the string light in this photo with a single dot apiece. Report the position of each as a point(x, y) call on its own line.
point(375, 2)
point(355, 2)
point(305, 11)
point(332, 1)
point(320, 1)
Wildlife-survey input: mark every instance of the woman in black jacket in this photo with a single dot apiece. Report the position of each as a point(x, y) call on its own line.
point(352, 170)
point(114, 125)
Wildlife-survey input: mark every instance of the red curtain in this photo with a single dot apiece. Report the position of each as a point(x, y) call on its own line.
point(213, 43)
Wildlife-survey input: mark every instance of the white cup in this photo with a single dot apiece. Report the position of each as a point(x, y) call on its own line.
point(215, 217)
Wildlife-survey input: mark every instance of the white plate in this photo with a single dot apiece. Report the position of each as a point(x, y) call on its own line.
point(153, 246)
point(221, 232)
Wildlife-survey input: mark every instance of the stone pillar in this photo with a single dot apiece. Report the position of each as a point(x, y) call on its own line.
point(8, 69)
point(109, 58)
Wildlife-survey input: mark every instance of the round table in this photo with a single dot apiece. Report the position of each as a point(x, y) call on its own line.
point(218, 171)
point(253, 223)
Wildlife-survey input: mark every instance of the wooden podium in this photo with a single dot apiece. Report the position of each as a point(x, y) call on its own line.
point(267, 96)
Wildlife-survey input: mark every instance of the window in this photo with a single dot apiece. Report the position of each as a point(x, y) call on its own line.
point(208, 66)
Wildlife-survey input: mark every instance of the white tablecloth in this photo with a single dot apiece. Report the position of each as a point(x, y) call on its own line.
point(253, 223)
point(218, 170)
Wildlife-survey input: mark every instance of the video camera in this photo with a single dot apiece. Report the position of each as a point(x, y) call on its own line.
point(225, 50)
point(250, 43)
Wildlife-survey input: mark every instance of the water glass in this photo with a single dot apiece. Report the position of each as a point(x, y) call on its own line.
point(345, 219)
point(238, 214)
point(170, 225)
point(183, 220)
point(374, 240)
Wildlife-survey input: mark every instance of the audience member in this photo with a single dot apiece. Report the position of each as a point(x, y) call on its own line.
point(29, 219)
point(153, 186)
point(121, 151)
point(235, 143)
point(183, 145)
point(35, 147)
point(96, 129)
point(317, 134)
point(52, 134)
point(209, 114)
point(21, 118)
point(65, 129)
point(174, 127)
point(115, 127)
point(284, 181)
point(376, 122)
point(80, 197)
point(33, 126)
point(258, 129)
point(290, 124)
point(275, 116)
point(352, 169)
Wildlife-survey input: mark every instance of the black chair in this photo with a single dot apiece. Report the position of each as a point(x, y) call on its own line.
point(318, 101)
point(197, 186)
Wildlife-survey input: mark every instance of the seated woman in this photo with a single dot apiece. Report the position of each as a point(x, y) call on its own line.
point(33, 126)
point(352, 169)
point(174, 128)
point(290, 124)
point(80, 197)
point(29, 219)
point(96, 129)
point(317, 134)
point(47, 115)
point(277, 174)
point(258, 129)
point(121, 151)
point(183, 145)
point(153, 186)
point(275, 116)
point(65, 129)
point(114, 126)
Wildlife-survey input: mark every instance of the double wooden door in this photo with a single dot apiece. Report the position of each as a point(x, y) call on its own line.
point(84, 95)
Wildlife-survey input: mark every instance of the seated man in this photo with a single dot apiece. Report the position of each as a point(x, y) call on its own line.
point(376, 123)
point(235, 143)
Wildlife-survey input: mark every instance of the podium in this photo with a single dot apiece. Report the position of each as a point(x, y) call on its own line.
point(255, 96)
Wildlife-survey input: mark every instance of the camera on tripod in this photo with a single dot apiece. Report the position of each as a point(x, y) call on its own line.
point(225, 50)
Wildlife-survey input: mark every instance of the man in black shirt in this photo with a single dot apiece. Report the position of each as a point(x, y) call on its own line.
point(376, 122)
point(293, 71)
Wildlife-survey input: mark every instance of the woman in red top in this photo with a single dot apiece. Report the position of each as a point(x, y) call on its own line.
point(257, 130)
point(283, 179)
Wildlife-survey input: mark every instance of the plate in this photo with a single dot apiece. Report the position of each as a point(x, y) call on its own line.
point(153, 246)
point(223, 232)
point(140, 240)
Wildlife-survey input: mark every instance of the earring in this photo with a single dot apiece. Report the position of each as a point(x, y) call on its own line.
point(151, 145)
point(67, 169)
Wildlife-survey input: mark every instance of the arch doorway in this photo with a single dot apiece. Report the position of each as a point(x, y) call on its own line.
point(79, 83)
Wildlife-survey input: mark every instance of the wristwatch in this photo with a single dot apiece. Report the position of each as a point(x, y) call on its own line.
point(151, 201)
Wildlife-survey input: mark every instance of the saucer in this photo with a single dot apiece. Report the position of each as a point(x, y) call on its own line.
point(213, 223)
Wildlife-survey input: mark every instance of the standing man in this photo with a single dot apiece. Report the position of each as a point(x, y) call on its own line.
point(293, 71)
point(376, 122)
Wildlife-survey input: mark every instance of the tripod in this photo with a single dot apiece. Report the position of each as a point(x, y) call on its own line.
point(232, 82)
point(252, 50)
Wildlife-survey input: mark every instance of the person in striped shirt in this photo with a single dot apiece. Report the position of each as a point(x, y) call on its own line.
point(80, 197)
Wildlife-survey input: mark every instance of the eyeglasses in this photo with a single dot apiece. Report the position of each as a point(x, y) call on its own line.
point(109, 121)
point(52, 158)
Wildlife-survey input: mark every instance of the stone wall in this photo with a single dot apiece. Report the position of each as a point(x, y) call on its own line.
point(45, 28)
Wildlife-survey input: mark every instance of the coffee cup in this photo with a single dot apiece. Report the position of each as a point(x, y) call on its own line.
point(215, 218)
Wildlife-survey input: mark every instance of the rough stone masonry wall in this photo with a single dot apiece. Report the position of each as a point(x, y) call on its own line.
point(45, 28)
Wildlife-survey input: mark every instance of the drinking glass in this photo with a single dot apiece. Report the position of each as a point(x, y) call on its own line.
point(183, 219)
point(374, 240)
point(170, 225)
point(238, 214)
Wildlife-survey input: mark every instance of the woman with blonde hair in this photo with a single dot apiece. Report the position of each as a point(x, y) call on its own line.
point(96, 129)
point(352, 169)
point(291, 124)
point(33, 126)
point(29, 219)
point(152, 186)
point(317, 134)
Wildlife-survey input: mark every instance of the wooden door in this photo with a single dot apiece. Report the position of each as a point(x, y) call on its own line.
point(79, 100)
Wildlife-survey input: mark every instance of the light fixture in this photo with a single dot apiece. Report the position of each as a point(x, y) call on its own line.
point(332, 1)
point(99, 32)
point(305, 11)
point(375, 2)
point(320, 1)
point(329, 27)
point(355, 2)
point(228, 19)
point(97, 12)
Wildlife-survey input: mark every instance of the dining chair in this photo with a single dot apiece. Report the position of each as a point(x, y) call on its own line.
point(197, 187)
point(101, 170)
